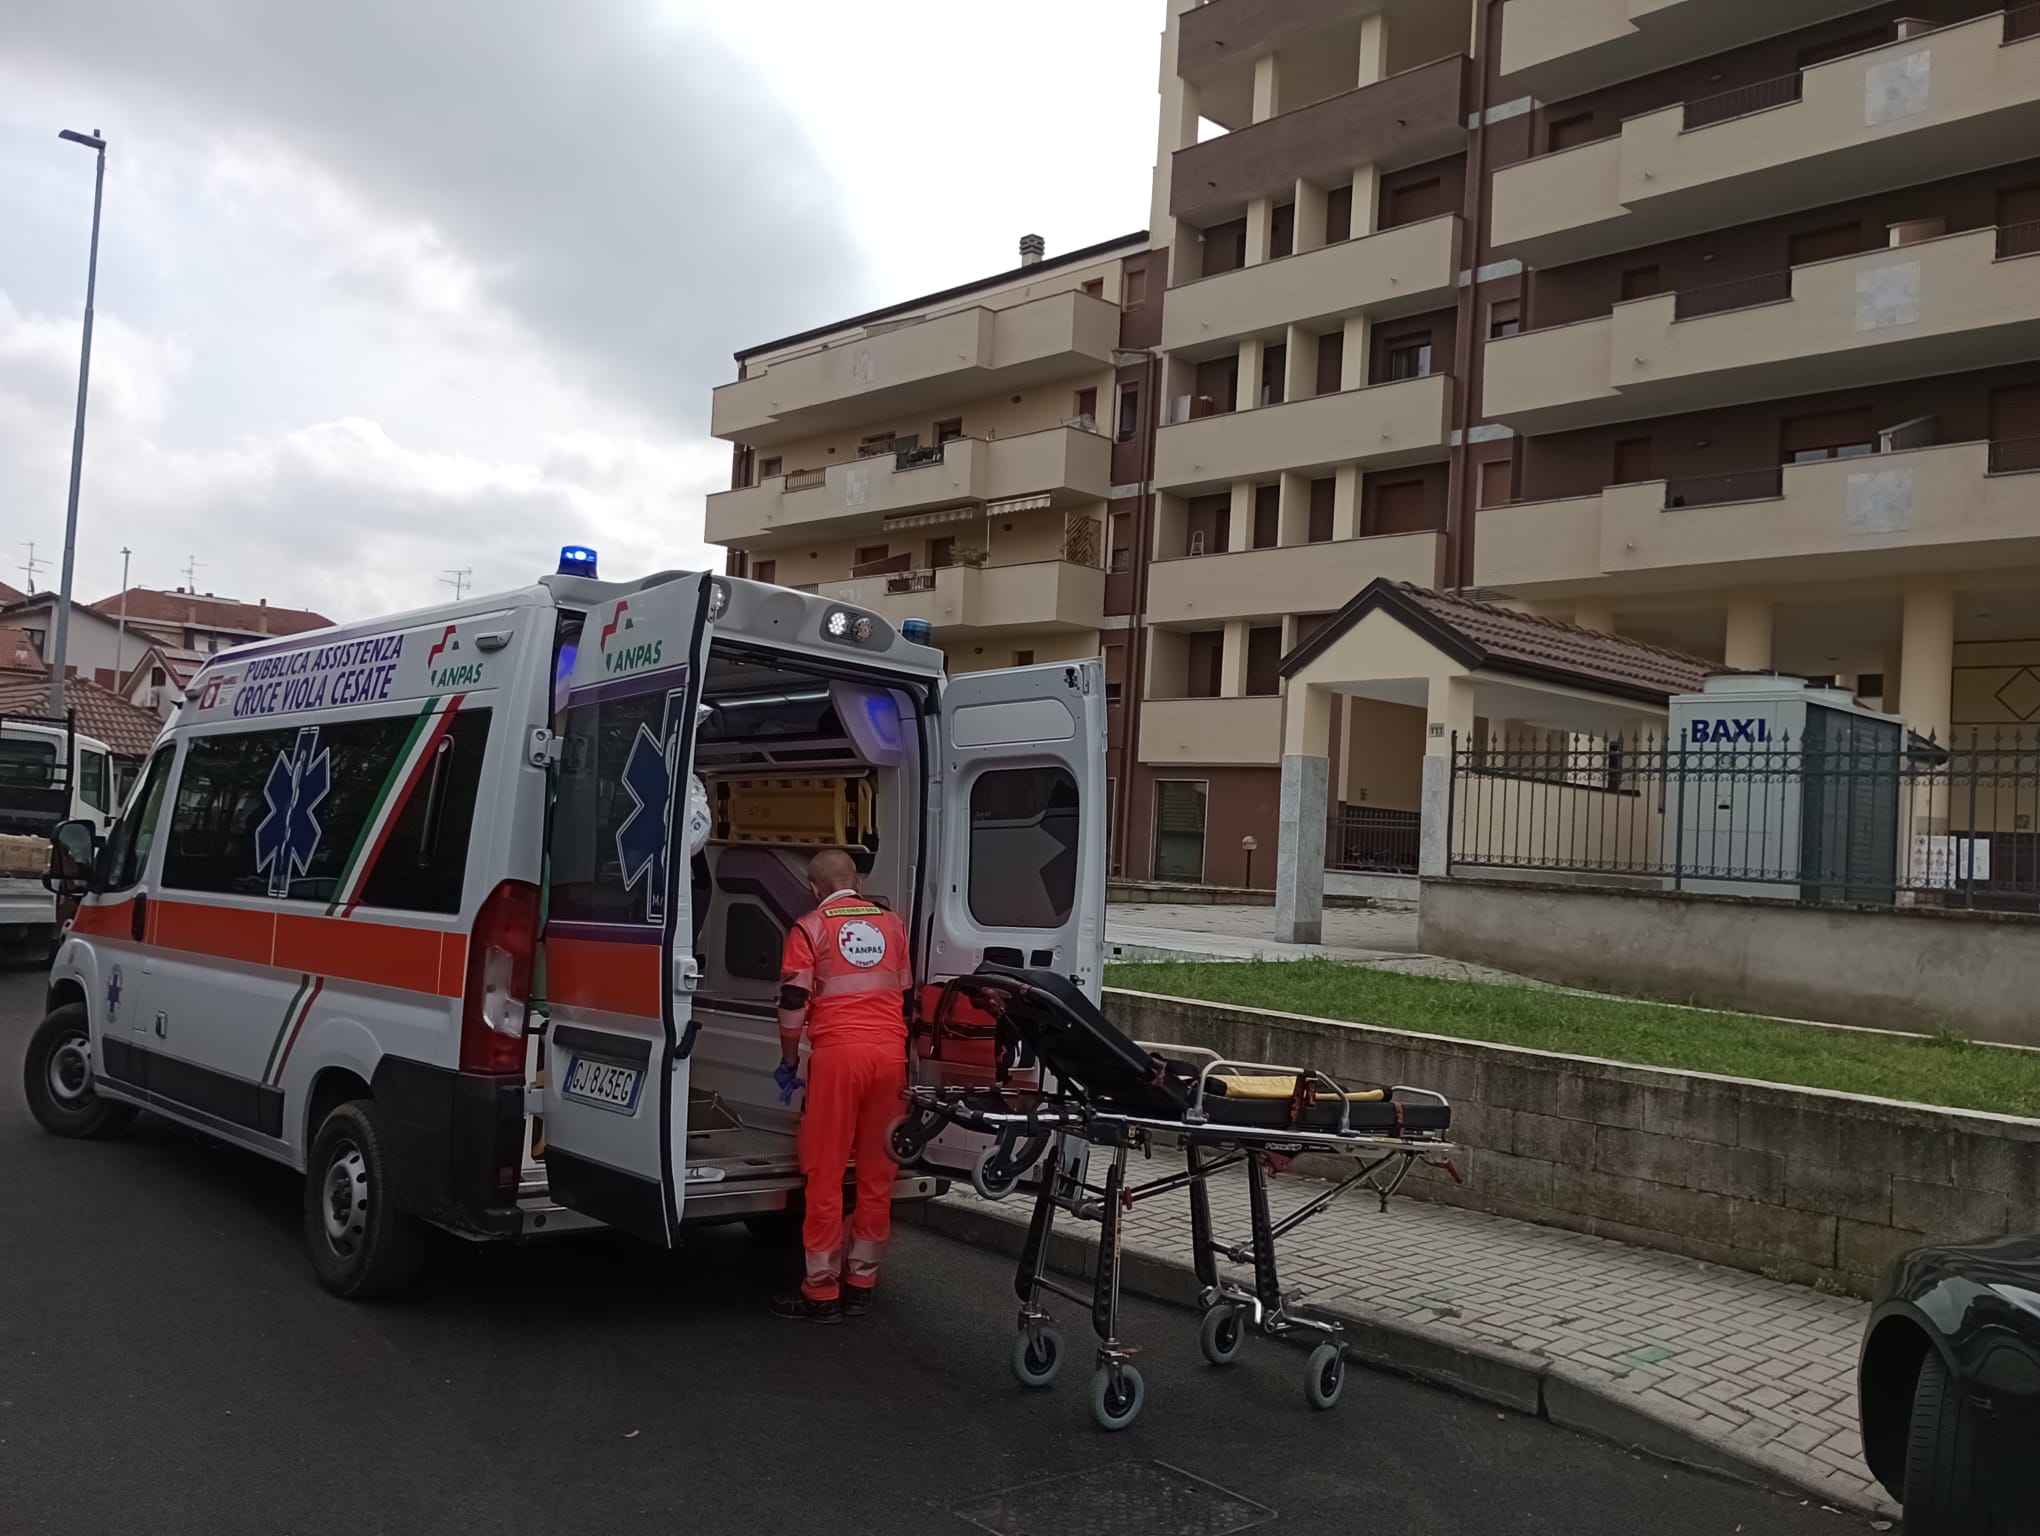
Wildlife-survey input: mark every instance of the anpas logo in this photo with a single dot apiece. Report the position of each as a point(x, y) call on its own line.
point(445, 642)
point(616, 621)
point(627, 657)
point(1721, 732)
point(861, 944)
point(455, 674)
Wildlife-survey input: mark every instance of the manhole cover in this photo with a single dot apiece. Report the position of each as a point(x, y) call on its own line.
point(1139, 1498)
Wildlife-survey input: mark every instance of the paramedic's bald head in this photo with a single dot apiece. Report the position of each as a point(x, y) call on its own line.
point(830, 871)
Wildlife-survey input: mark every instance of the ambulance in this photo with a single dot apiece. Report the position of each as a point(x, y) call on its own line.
point(474, 914)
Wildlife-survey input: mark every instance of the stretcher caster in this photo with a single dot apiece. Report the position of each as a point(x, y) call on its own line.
point(908, 1136)
point(1222, 1333)
point(1117, 1396)
point(1037, 1356)
point(1324, 1377)
point(1000, 1167)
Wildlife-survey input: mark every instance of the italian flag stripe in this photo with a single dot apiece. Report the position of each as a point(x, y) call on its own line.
point(413, 763)
point(283, 1029)
point(382, 810)
point(290, 1036)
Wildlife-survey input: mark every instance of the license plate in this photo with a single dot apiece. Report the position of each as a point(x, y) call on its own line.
point(602, 1082)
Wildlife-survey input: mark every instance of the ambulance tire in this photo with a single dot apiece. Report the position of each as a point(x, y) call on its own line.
point(361, 1244)
point(56, 1076)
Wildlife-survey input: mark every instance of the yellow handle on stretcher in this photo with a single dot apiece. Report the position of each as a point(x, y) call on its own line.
point(1242, 1085)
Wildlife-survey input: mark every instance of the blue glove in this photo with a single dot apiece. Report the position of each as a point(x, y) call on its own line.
point(787, 1076)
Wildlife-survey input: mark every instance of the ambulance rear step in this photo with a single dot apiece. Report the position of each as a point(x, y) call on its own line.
point(709, 1200)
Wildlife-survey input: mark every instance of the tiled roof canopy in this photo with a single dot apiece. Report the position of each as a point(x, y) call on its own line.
point(150, 606)
point(128, 730)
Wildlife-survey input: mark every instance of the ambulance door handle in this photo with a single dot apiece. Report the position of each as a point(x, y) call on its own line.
point(138, 916)
point(686, 974)
point(162, 1025)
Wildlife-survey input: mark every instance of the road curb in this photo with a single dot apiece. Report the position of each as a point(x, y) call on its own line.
point(1494, 1373)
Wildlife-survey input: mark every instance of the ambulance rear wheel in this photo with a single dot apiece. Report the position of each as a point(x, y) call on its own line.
point(361, 1243)
point(57, 1079)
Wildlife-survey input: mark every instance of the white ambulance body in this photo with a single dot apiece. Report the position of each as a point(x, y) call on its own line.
point(404, 903)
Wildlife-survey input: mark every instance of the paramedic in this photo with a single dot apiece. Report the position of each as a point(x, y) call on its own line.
point(848, 978)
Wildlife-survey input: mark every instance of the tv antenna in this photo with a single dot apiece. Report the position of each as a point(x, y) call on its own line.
point(459, 579)
point(31, 564)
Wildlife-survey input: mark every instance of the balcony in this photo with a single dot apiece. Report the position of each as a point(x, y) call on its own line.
point(1400, 423)
point(1962, 506)
point(1302, 578)
point(1222, 34)
point(1242, 732)
point(1555, 49)
point(1398, 271)
point(914, 365)
point(1936, 306)
point(1042, 595)
point(1931, 106)
point(1405, 119)
point(1068, 464)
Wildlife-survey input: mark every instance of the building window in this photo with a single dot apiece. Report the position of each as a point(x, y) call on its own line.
point(157, 677)
point(871, 554)
point(1828, 435)
point(949, 431)
point(1129, 412)
point(1264, 657)
point(1282, 231)
point(1013, 811)
point(768, 468)
point(1179, 829)
point(1400, 506)
point(1414, 203)
point(765, 570)
point(1114, 692)
point(1225, 248)
point(1331, 361)
point(1023, 658)
point(942, 552)
point(1095, 288)
point(1087, 409)
point(1641, 283)
point(877, 444)
point(1134, 286)
point(1207, 661)
point(1407, 357)
point(1267, 516)
point(1339, 214)
point(1563, 133)
point(1324, 495)
point(1504, 318)
point(1496, 488)
point(1632, 461)
point(1274, 369)
point(1122, 541)
point(1208, 521)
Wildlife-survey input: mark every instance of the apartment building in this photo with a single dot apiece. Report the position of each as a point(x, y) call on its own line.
point(1705, 324)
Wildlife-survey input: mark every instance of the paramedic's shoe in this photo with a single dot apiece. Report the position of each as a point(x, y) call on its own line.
point(801, 1307)
point(856, 1299)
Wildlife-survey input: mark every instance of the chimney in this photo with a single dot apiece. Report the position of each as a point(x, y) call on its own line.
point(1032, 249)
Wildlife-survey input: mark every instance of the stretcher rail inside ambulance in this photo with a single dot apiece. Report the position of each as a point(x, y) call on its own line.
point(1055, 1079)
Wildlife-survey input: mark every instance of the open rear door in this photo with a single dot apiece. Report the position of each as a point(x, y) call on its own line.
point(1020, 874)
point(619, 922)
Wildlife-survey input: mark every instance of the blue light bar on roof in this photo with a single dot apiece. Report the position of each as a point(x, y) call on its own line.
point(577, 560)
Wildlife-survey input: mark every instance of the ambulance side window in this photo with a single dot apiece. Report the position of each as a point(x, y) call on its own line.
point(375, 812)
point(1023, 847)
point(127, 853)
point(609, 812)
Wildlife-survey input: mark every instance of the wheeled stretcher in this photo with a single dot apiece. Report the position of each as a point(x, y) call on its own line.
point(1057, 1079)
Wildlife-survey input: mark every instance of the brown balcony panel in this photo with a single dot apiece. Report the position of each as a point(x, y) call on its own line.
point(1555, 49)
point(1406, 119)
point(1226, 32)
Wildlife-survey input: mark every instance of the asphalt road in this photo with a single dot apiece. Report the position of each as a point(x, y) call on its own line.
point(167, 1365)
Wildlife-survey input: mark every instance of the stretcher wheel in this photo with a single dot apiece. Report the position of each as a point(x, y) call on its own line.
point(909, 1135)
point(1037, 1356)
point(991, 1177)
point(1223, 1332)
point(1117, 1396)
point(1324, 1377)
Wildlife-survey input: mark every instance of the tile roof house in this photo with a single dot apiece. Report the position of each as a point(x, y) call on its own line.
point(190, 619)
point(129, 731)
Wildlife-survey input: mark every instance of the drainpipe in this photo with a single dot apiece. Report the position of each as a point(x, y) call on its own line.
point(1133, 692)
point(1458, 561)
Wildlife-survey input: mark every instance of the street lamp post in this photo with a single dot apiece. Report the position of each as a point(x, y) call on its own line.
point(95, 143)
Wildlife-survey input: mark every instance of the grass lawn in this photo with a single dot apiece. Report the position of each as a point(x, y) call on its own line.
point(1940, 1070)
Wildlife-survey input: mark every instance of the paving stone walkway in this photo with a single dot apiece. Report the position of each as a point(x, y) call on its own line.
point(1381, 938)
point(1763, 1369)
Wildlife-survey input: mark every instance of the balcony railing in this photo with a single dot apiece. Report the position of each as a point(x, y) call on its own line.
point(2022, 23)
point(1743, 100)
point(1715, 490)
point(806, 479)
point(1741, 293)
point(2014, 455)
point(2018, 239)
point(918, 458)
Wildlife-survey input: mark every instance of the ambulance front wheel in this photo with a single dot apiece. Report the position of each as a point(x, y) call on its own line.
point(57, 1079)
point(361, 1243)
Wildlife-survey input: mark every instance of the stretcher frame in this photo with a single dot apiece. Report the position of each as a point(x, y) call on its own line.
point(1061, 1121)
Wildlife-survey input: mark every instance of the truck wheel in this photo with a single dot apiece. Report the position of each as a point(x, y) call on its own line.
point(1943, 1487)
point(57, 1078)
point(361, 1244)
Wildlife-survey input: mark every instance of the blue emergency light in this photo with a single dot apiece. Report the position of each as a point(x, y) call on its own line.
point(577, 560)
point(920, 631)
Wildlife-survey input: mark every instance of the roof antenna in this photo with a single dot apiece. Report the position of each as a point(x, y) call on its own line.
point(191, 565)
point(31, 564)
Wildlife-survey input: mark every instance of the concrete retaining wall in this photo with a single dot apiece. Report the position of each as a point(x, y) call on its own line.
point(1913, 968)
point(1795, 1183)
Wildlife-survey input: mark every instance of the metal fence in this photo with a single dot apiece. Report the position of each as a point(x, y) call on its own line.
point(1843, 819)
point(2022, 22)
point(1737, 293)
point(1743, 100)
point(1376, 841)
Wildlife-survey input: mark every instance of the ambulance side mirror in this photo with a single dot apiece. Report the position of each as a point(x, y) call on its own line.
point(74, 849)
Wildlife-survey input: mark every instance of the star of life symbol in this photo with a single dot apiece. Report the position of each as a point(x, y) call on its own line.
point(113, 990)
point(648, 779)
point(288, 837)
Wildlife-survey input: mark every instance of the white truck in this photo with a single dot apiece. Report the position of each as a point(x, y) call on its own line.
point(49, 774)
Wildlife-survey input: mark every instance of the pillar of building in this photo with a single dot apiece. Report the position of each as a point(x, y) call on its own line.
point(1232, 661)
point(1366, 198)
point(1448, 723)
point(1353, 361)
point(1747, 646)
point(1308, 231)
point(1373, 49)
point(1240, 517)
point(1293, 518)
point(1927, 657)
point(1260, 227)
point(1299, 367)
point(1247, 390)
point(1346, 499)
point(1300, 819)
point(1267, 87)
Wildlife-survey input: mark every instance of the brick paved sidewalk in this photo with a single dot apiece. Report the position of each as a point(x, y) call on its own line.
point(1764, 1370)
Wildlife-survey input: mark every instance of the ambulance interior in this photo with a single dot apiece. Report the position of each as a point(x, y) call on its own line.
point(792, 762)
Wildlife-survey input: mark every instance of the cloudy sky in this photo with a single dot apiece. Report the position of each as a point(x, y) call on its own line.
point(396, 286)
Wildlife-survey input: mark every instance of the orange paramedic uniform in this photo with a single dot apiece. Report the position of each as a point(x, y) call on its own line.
point(850, 956)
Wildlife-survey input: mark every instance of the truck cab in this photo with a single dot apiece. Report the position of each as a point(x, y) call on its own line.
point(49, 774)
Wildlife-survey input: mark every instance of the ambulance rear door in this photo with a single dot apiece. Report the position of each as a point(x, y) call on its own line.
point(619, 962)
